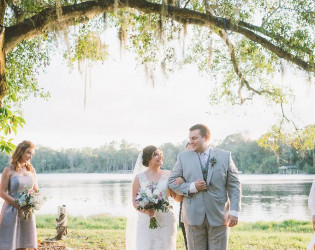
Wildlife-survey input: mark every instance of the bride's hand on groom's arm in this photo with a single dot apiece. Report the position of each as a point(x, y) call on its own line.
point(179, 180)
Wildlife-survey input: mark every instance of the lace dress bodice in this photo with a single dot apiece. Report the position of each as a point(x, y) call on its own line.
point(162, 184)
point(163, 237)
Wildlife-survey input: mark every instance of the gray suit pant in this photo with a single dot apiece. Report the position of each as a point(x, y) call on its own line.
point(206, 237)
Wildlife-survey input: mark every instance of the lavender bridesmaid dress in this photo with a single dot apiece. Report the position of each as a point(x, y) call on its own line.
point(15, 231)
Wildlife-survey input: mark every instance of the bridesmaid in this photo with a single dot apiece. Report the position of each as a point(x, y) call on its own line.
point(15, 231)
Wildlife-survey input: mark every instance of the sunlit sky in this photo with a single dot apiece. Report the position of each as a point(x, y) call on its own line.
point(122, 104)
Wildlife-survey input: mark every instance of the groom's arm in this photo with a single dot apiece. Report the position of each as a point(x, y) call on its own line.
point(182, 189)
point(234, 188)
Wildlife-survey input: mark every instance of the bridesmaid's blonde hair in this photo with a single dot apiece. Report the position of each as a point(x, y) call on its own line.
point(17, 154)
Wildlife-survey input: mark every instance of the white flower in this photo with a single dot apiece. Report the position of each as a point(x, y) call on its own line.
point(156, 201)
point(37, 206)
point(22, 204)
point(148, 193)
point(141, 203)
point(31, 201)
point(156, 192)
point(22, 201)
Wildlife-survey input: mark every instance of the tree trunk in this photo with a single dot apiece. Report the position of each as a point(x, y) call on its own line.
point(3, 83)
point(277, 154)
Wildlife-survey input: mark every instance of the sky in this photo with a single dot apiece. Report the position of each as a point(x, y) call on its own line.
point(122, 104)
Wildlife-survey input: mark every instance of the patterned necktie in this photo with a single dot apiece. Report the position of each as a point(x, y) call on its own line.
point(203, 159)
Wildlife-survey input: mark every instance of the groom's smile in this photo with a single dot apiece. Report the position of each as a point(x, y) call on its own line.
point(198, 143)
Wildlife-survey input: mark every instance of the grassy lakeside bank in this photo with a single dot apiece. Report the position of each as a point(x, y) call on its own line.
point(108, 232)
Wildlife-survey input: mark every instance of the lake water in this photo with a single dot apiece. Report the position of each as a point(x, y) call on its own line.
point(265, 197)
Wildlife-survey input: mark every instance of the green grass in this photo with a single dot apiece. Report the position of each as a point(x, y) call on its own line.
point(91, 222)
point(108, 232)
point(293, 226)
point(268, 240)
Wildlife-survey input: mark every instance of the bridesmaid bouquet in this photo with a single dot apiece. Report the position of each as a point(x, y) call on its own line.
point(152, 198)
point(30, 200)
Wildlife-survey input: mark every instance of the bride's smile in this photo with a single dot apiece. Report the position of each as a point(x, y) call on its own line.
point(157, 158)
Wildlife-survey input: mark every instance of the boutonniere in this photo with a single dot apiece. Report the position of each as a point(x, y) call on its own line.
point(213, 161)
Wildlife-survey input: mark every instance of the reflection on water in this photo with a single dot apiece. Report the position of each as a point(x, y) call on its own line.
point(265, 197)
point(275, 197)
point(86, 194)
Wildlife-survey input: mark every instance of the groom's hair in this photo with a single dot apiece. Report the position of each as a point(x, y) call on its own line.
point(204, 130)
point(147, 154)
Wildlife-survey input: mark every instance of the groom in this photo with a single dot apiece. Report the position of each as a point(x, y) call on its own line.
point(211, 187)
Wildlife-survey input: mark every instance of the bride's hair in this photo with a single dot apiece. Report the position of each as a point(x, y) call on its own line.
point(17, 154)
point(147, 154)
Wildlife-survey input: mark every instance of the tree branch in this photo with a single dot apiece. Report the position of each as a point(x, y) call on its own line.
point(186, 4)
point(271, 35)
point(47, 20)
point(233, 59)
point(231, 48)
point(237, 70)
point(193, 17)
point(288, 120)
point(284, 117)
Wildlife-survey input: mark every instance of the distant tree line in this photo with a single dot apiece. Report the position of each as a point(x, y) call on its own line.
point(248, 156)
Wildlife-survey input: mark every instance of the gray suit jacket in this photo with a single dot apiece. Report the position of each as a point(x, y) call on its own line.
point(223, 188)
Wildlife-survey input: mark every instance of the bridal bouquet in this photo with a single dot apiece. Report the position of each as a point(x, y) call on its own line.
point(30, 200)
point(152, 198)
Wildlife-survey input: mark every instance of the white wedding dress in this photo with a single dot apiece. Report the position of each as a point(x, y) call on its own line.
point(161, 238)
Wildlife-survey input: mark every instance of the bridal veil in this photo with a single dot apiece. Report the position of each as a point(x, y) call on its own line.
point(131, 228)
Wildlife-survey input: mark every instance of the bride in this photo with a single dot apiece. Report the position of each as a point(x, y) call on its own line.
point(138, 234)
